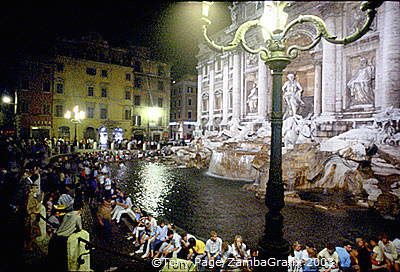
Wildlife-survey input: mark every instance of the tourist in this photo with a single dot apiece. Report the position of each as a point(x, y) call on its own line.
point(297, 259)
point(329, 259)
point(312, 262)
point(53, 221)
point(196, 250)
point(214, 247)
point(152, 237)
point(32, 218)
point(167, 246)
point(126, 208)
point(345, 264)
point(184, 252)
point(177, 242)
point(378, 257)
point(104, 218)
point(363, 255)
point(239, 248)
point(299, 253)
point(390, 251)
point(226, 252)
point(71, 223)
point(144, 239)
point(118, 202)
point(159, 238)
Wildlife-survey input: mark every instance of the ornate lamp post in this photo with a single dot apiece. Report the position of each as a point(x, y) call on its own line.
point(277, 55)
point(78, 117)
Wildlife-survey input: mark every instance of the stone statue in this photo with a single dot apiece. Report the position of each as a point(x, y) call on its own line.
point(360, 85)
point(292, 96)
point(252, 99)
point(233, 9)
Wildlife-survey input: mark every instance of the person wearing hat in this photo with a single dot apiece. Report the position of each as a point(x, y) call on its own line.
point(71, 223)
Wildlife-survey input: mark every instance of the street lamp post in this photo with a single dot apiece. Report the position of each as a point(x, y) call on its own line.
point(277, 55)
point(77, 118)
point(9, 101)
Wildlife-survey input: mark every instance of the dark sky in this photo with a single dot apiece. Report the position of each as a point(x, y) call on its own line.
point(171, 29)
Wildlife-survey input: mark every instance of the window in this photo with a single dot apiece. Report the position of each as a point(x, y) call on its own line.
point(59, 111)
point(23, 107)
point(161, 85)
point(179, 103)
point(127, 114)
point(90, 112)
point(189, 114)
point(60, 67)
point(128, 77)
point(103, 113)
point(189, 102)
point(160, 121)
point(46, 86)
point(127, 95)
point(46, 109)
point(91, 71)
point(138, 82)
point(161, 71)
point(137, 100)
point(104, 73)
point(64, 132)
point(136, 120)
point(103, 92)
point(25, 84)
point(190, 89)
point(160, 102)
point(90, 90)
point(137, 66)
point(59, 88)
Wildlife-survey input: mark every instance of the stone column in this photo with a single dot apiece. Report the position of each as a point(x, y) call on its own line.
point(199, 92)
point(329, 71)
point(389, 93)
point(225, 88)
point(317, 87)
point(211, 64)
point(236, 86)
point(262, 89)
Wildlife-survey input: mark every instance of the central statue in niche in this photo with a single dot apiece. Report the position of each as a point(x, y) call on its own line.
point(292, 95)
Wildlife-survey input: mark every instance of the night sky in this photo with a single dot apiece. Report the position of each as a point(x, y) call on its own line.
point(171, 29)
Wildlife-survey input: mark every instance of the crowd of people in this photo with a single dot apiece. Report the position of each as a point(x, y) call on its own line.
point(374, 254)
point(29, 179)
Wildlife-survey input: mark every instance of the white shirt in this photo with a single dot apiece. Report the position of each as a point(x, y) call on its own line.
point(214, 247)
point(235, 251)
point(107, 184)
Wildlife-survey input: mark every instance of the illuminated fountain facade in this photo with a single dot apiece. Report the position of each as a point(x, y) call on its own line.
point(340, 106)
point(343, 87)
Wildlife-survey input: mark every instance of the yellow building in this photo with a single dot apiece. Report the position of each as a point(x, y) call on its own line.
point(121, 91)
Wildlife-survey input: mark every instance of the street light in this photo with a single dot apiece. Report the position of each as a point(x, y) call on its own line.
point(77, 118)
point(6, 99)
point(277, 55)
point(10, 101)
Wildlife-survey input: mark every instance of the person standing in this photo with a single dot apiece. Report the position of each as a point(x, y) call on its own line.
point(104, 219)
point(71, 223)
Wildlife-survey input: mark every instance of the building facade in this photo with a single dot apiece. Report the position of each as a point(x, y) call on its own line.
point(34, 97)
point(123, 92)
point(342, 86)
point(183, 114)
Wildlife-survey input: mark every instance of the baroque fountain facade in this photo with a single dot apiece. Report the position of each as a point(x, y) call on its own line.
point(342, 118)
